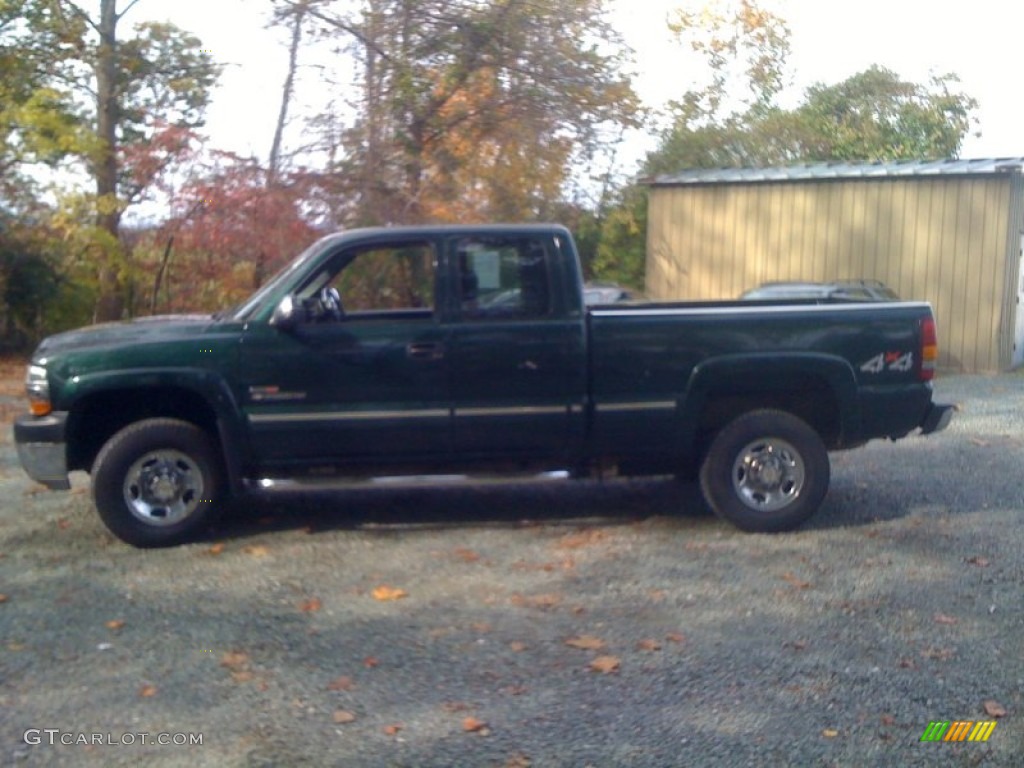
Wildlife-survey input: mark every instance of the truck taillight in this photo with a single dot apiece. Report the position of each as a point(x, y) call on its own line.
point(929, 348)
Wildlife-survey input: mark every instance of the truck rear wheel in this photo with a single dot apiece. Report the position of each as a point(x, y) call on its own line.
point(157, 482)
point(766, 471)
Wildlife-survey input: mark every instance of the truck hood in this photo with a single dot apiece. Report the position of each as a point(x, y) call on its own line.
point(140, 330)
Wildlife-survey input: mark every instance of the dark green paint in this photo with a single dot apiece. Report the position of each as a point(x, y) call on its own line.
point(637, 387)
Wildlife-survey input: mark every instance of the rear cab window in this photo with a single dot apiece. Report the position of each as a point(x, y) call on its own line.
point(504, 277)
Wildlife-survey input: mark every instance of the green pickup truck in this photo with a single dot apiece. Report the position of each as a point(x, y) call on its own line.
point(468, 351)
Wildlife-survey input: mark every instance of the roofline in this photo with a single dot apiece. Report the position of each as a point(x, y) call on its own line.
point(840, 172)
point(369, 234)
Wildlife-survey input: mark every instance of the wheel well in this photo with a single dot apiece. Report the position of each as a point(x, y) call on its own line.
point(812, 400)
point(97, 417)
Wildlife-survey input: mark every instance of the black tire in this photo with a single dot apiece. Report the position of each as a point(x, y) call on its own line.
point(157, 482)
point(766, 471)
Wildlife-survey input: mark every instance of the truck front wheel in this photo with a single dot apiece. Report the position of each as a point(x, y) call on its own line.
point(157, 482)
point(766, 471)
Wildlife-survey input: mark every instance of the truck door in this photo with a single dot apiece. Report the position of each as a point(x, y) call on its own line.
point(518, 362)
point(365, 381)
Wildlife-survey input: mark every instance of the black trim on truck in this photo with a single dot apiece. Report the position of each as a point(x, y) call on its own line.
point(937, 418)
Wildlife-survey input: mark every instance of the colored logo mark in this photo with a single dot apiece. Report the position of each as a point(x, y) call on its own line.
point(958, 730)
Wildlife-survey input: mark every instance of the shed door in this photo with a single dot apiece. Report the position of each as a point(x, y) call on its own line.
point(1018, 333)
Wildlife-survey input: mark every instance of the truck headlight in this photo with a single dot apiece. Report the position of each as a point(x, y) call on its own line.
point(38, 389)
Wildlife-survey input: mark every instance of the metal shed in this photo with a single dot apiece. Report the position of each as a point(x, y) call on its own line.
point(948, 232)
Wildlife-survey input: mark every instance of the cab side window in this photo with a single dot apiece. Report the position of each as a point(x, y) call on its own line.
point(504, 277)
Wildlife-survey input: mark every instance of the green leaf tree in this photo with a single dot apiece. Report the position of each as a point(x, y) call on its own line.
point(95, 97)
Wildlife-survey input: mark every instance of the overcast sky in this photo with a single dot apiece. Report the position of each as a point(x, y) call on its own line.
point(831, 40)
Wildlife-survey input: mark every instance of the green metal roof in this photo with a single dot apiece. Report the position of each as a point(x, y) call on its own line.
point(823, 171)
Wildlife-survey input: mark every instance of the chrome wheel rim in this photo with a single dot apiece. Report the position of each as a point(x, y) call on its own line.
point(768, 474)
point(163, 487)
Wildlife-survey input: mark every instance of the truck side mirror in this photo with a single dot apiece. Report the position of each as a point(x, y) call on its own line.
point(287, 314)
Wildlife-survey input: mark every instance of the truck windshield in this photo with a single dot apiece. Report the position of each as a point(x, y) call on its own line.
point(254, 302)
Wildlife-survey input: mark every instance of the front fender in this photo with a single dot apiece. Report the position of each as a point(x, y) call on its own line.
point(131, 387)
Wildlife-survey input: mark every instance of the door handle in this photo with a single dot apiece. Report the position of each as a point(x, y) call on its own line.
point(425, 350)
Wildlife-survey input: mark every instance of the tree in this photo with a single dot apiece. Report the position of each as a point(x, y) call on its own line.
point(734, 119)
point(127, 91)
point(744, 50)
point(468, 108)
point(876, 116)
point(229, 229)
point(39, 121)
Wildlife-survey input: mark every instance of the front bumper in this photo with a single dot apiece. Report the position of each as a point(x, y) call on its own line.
point(936, 418)
point(42, 450)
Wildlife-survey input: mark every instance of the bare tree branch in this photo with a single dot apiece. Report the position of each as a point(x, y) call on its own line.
point(122, 14)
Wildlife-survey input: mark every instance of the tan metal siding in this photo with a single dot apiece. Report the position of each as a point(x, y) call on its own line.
point(947, 240)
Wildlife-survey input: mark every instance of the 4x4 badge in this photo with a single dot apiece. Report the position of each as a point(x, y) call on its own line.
point(891, 361)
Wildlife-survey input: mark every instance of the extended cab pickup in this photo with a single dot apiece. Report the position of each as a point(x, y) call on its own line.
point(468, 350)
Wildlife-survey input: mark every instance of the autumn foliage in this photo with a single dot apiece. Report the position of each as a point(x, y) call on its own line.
point(230, 230)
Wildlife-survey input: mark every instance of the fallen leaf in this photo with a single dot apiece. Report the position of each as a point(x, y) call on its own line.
point(907, 664)
point(115, 624)
point(370, 661)
point(3, 598)
point(16, 646)
point(979, 561)
point(518, 760)
point(605, 664)
point(517, 646)
point(147, 690)
point(793, 580)
point(466, 555)
point(941, 618)
point(472, 725)
point(217, 548)
point(796, 645)
point(481, 626)
point(939, 654)
point(310, 605)
point(63, 524)
point(993, 708)
point(455, 706)
point(536, 601)
point(582, 539)
point(342, 683)
point(648, 644)
point(830, 733)
point(676, 637)
point(888, 720)
point(516, 690)
point(391, 730)
point(656, 595)
point(586, 642)
point(977, 441)
point(384, 593)
point(235, 660)
point(256, 550)
point(342, 716)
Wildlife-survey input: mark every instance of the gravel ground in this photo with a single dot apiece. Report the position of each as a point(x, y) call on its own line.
point(554, 625)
